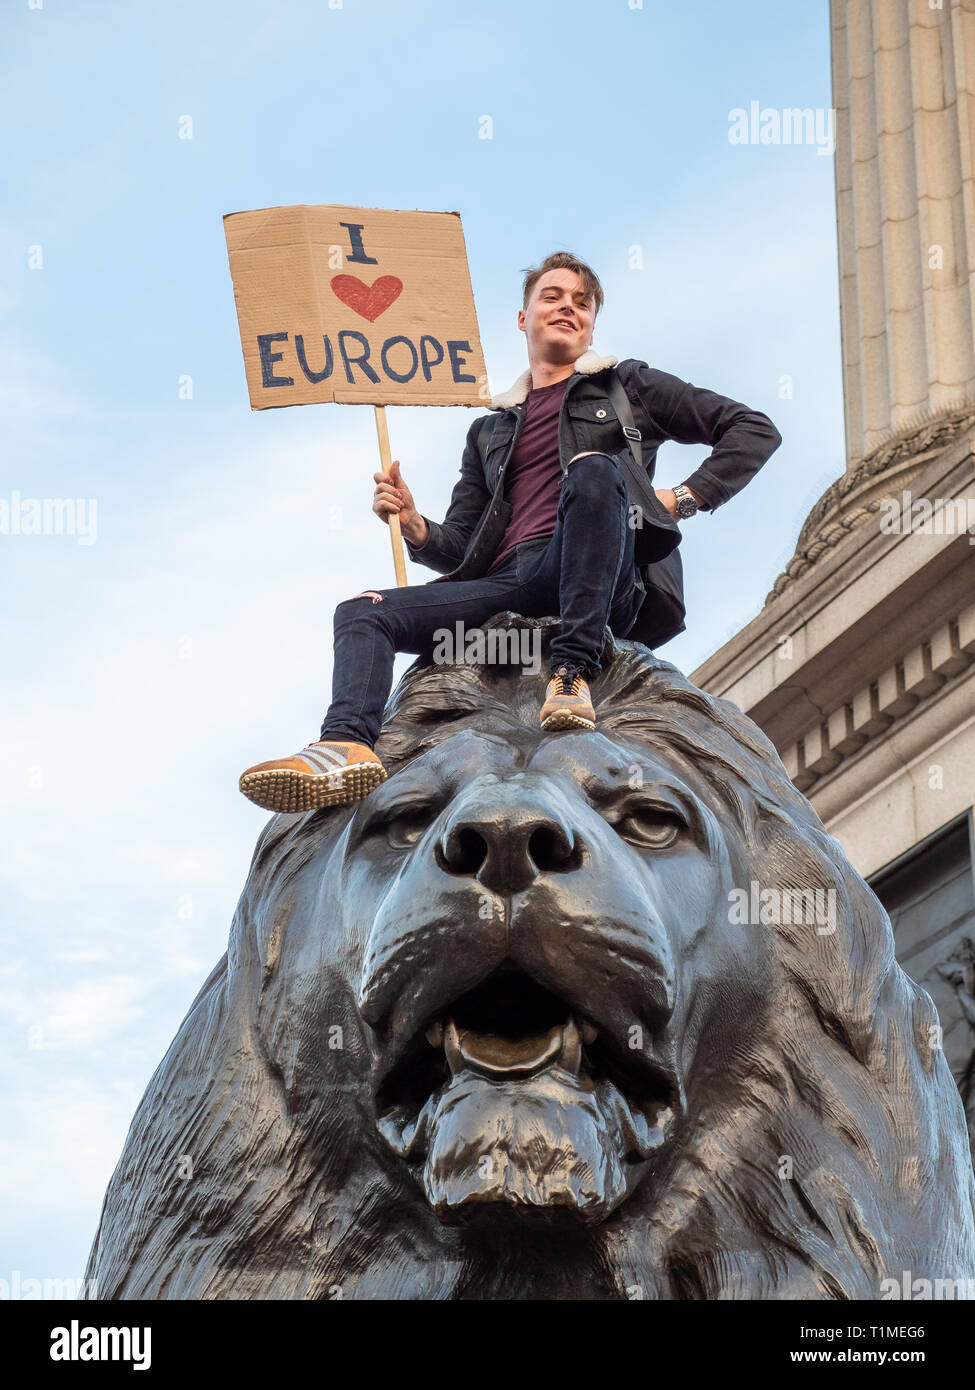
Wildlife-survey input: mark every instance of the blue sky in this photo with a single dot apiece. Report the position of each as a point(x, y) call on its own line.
point(145, 670)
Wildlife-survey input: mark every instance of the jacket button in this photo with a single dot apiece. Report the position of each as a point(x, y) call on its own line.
point(600, 414)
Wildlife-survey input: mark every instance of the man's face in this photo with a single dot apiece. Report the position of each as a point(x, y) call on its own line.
point(559, 318)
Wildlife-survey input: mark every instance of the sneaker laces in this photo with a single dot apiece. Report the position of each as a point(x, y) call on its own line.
point(570, 680)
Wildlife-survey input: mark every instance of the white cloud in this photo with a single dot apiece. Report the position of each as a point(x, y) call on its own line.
point(90, 1011)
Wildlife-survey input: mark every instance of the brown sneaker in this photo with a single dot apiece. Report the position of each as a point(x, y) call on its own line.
point(568, 704)
point(331, 773)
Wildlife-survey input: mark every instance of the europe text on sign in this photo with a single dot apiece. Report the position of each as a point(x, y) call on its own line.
point(360, 305)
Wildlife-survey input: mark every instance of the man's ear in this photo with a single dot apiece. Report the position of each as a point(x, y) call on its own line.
point(521, 319)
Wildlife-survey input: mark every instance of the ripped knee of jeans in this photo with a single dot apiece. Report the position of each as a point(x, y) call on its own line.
point(371, 593)
point(590, 454)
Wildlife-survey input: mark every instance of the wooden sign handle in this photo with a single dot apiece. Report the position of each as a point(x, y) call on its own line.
point(395, 534)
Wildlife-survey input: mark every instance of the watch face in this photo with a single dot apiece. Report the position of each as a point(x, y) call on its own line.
point(686, 506)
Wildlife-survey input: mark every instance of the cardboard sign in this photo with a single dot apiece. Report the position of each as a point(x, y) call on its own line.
point(359, 305)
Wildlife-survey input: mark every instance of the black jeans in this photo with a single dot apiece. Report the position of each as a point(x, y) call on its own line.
point(584, 573)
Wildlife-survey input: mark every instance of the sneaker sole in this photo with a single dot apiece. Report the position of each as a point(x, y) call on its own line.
point(565, 719)
point(289, 791)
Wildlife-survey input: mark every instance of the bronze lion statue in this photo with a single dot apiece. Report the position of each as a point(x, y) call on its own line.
point(582, 1015)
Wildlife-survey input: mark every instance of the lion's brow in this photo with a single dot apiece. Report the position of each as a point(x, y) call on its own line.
point(435, 704)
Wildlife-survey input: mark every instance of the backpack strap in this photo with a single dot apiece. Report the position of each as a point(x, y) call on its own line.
point(624, 413)
point(662, 613)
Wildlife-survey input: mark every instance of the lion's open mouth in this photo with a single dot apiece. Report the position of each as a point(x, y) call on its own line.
point(510, 1096)
point(510, 1026)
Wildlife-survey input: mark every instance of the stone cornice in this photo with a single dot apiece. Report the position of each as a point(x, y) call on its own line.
point(856, 496)
point(899, 690)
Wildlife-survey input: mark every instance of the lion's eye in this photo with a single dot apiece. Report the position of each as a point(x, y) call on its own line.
point(650, 826)
point(403, 828)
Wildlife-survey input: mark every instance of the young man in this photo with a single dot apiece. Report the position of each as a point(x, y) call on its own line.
point(541, 522)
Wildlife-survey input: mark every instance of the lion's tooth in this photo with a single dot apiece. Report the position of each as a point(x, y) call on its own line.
point(589, 1033)
point(570, 1058)
point(451, 1047)
point(434, 1034)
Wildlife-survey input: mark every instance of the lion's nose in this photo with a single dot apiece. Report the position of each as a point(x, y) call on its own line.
point(507, 841)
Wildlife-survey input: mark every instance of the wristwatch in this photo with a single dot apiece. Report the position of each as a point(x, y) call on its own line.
point(686, 505)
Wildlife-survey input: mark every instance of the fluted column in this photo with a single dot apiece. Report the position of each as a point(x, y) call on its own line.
point(904, 92)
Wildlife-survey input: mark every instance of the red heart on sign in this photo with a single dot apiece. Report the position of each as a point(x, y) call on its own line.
point(368, 301)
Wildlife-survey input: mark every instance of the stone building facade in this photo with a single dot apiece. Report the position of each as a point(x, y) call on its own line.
point(861, 665)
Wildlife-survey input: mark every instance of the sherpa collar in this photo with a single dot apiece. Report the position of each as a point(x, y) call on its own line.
point(587, 364)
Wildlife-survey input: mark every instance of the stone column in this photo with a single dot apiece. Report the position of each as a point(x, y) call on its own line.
point(904, 92)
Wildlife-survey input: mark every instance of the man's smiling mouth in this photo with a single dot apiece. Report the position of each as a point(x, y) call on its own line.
point(563, 323)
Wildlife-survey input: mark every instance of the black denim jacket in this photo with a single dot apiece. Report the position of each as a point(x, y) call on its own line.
point(464, 544)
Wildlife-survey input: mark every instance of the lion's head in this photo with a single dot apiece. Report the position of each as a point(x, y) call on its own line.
point(596, 1015)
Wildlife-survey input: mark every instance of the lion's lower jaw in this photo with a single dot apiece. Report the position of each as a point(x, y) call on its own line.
point(548, 1149)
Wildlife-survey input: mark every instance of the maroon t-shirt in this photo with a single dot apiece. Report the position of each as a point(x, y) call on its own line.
point(534, 475)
